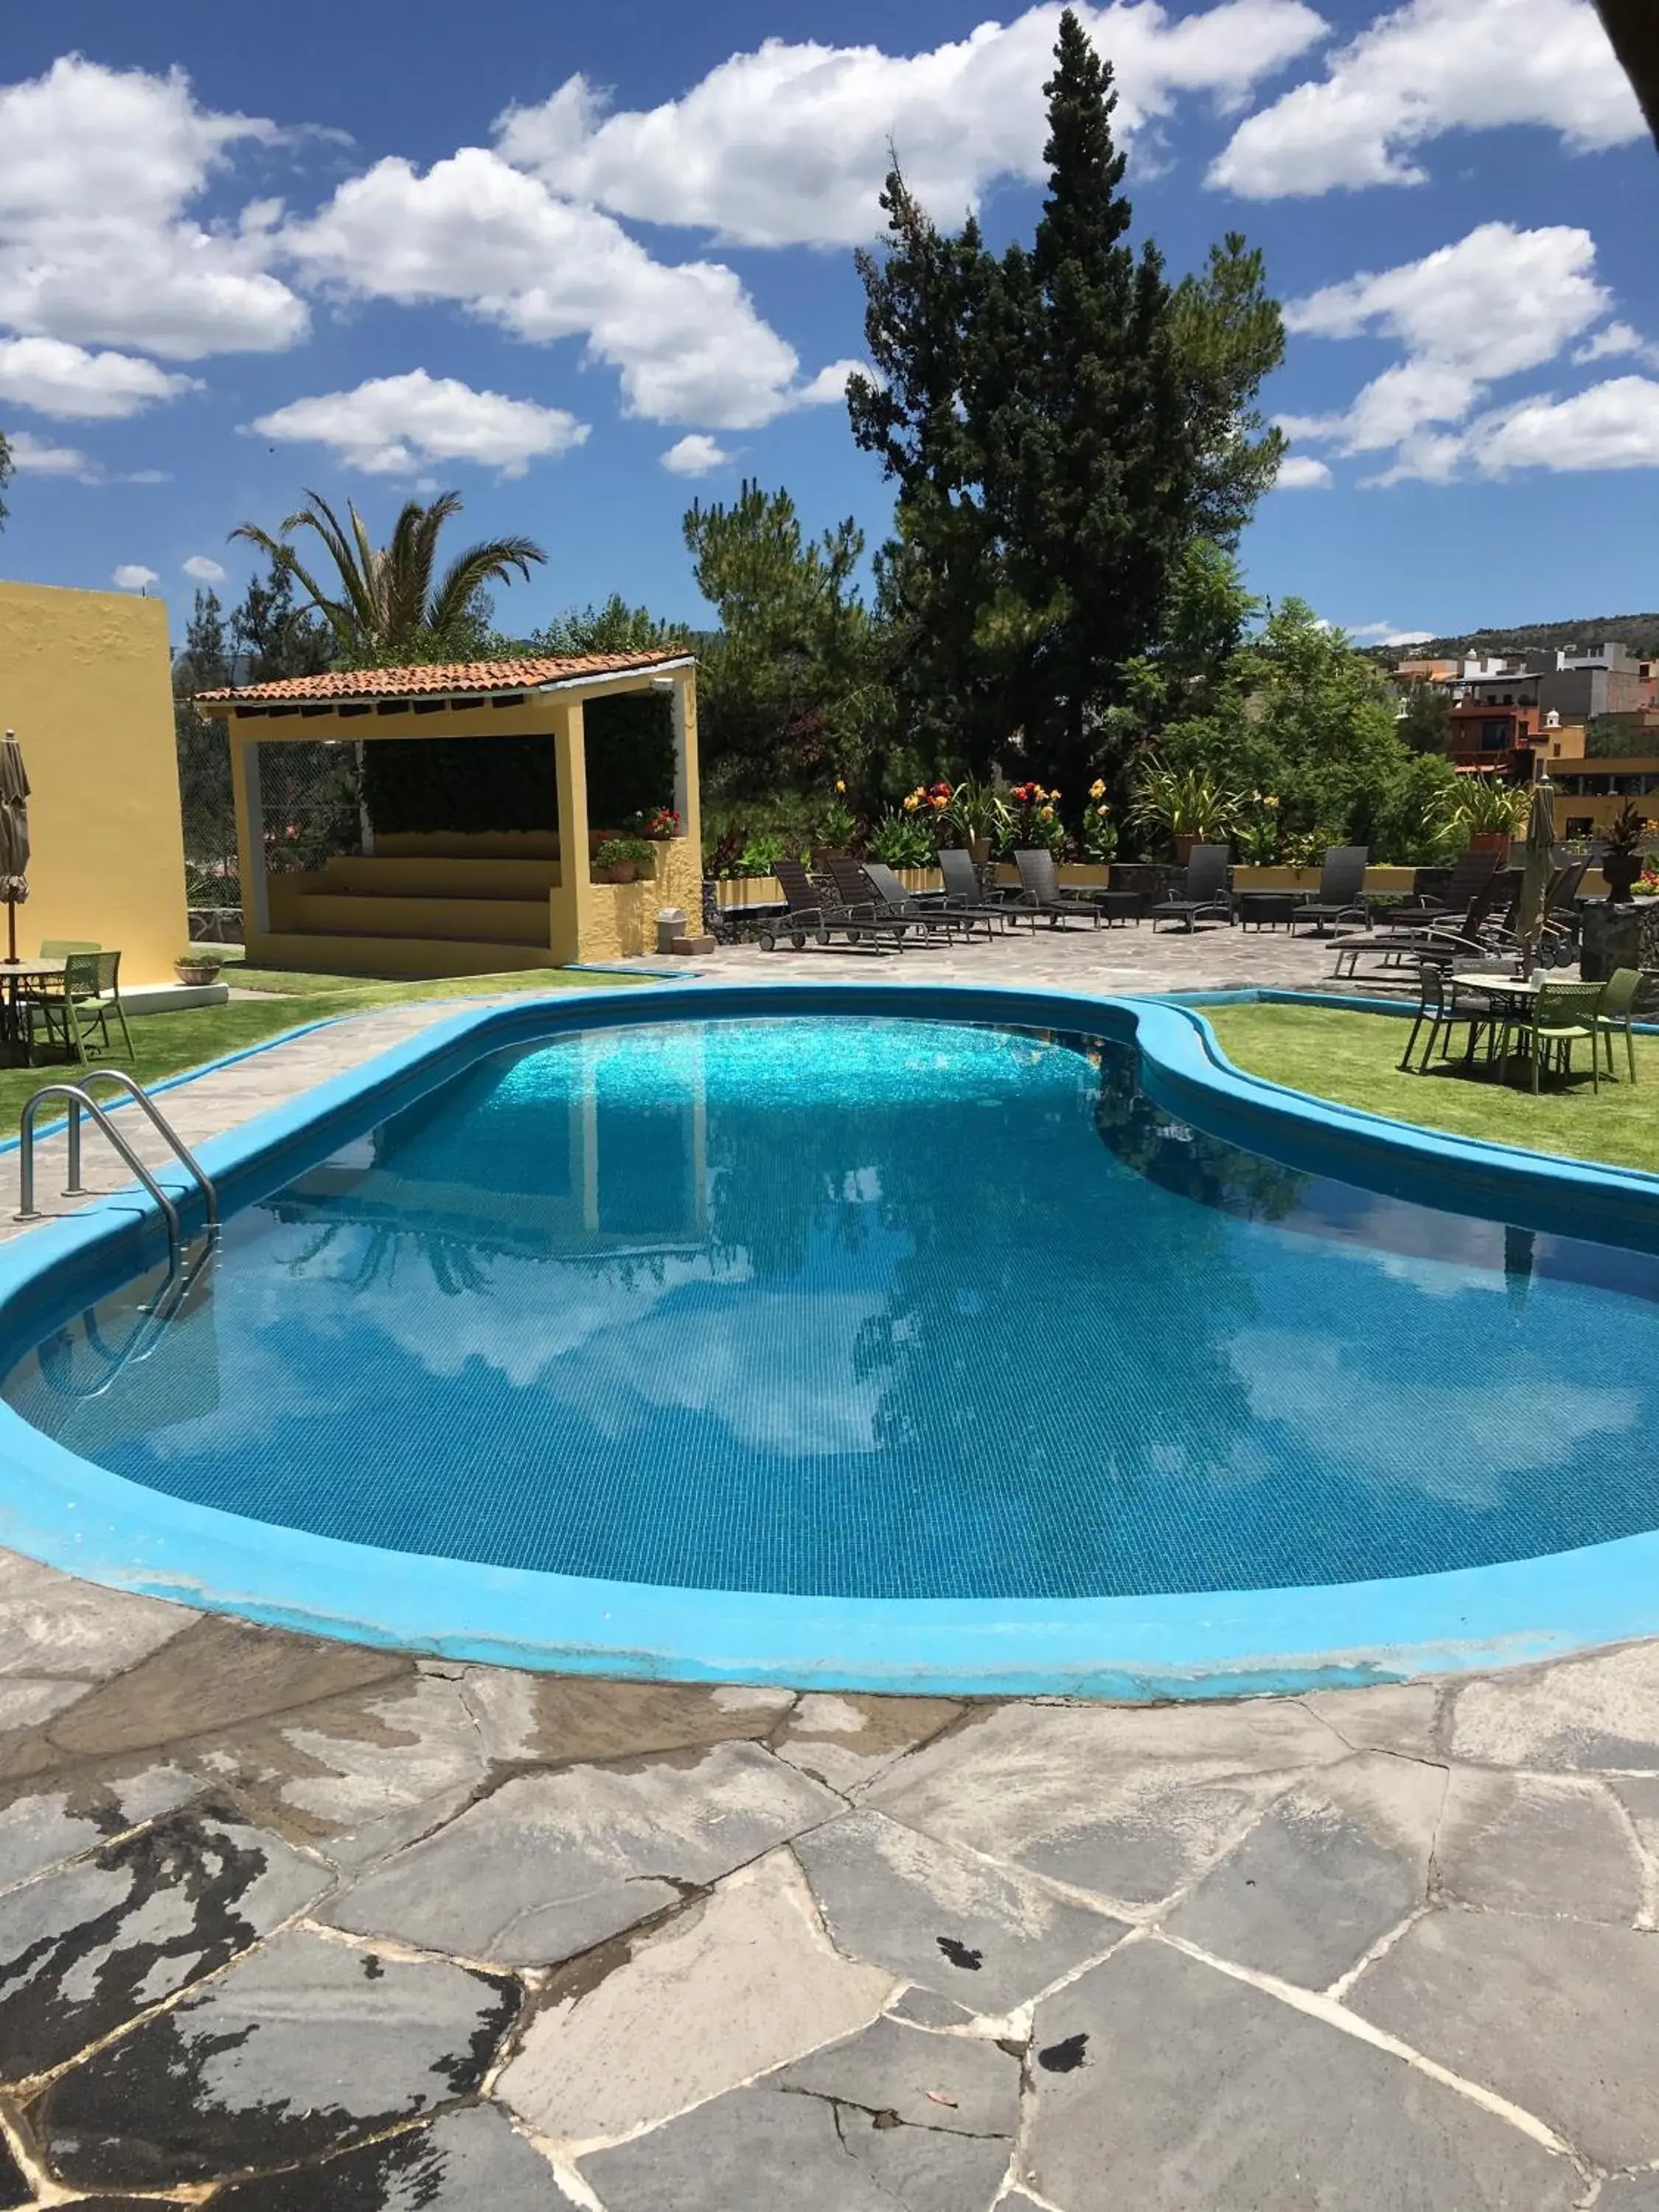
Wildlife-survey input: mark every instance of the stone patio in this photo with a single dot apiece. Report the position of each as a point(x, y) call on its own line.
point(292, 1926)
point(297, 1926)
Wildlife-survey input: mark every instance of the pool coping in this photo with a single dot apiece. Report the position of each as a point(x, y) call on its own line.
point(59, 1508)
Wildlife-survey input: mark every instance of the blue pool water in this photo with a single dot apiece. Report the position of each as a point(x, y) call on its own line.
point(874, 1308)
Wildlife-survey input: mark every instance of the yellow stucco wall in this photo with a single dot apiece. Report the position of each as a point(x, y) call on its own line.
point(85, 682)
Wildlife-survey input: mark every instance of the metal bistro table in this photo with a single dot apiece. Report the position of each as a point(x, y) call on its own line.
point(15, 977)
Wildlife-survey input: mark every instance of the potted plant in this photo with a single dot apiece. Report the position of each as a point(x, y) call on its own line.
point(1190, 807)
point(1622, 860)
point(198, 966)
point(977, 814)
point(622, 859)
point(657, 824)
point(1492, 813)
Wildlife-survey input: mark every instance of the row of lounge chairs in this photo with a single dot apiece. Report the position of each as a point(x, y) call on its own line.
point(865, 902)
point(1460, 928)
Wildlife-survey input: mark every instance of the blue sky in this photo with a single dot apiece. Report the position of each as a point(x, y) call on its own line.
point(584, 263)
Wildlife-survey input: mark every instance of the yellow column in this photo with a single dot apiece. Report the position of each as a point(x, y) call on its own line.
point(570, 905)
point(247, 800)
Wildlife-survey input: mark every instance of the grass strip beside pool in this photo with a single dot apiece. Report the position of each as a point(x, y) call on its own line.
point(1353, 1058)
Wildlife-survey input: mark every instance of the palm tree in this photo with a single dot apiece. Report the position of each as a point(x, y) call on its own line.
point(387, 606)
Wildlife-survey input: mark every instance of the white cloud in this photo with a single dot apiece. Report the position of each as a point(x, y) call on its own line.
point(34, 457)
point(1498, 300)
point(133, 576)
point(54, 377)
point(1612, 426)
point(1383, 633)
point(1302, 472)
point(686, 337)
point(1617, 342)
point(695, 455)
point(1456, 313)
point(97, 168)
point(788, 144)
point(204, 570)
point(1432, 67)
point(394, 425)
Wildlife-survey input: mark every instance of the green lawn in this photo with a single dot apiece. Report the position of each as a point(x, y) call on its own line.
point(1352, 1057)
point(168, 1044)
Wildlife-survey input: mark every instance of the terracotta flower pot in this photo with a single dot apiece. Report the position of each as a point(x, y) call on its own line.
point(619, 872)
point(1184, 850)
point(197, 972)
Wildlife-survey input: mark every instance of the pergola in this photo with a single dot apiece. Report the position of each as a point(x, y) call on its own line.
point(460, 904)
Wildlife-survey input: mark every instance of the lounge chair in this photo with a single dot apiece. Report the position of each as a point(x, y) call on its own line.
point(1203, 888)
point(1472, 875)
point(1435, 936)
point(926, 909)
point(964, 891)
point(812, 914)
point(1341, 883)
point(1042, 895)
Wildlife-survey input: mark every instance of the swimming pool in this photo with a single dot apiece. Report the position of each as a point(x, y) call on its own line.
point(867, 1313)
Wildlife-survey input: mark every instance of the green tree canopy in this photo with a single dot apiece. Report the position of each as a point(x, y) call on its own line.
point(792, 685)
point(1297, 715)
point(1060, 425)
point(388, 604)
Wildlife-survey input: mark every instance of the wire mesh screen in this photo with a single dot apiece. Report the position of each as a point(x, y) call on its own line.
point(213, 885)
point(310, 801)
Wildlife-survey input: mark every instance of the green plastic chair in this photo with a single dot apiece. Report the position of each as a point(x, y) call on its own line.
point(60, 948)
point(1561, 1016)
point(1618, 1011)
point(82, 1011)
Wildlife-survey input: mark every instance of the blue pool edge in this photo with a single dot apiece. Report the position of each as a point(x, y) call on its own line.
point(62, 1509)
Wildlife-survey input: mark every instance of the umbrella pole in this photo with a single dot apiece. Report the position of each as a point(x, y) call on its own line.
point(11, 931)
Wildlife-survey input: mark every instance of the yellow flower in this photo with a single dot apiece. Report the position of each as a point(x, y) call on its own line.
point(840, 786)
point(1270, 801)
point(1097, 788)
point(911, 803)
point(1046, 814)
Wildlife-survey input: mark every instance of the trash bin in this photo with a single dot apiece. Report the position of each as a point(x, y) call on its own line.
point(671, 924)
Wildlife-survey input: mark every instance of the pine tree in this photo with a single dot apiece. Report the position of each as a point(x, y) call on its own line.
point(1061, 426)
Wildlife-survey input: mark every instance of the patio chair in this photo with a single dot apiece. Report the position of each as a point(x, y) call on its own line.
point(1560, 1015)
point(1619, 998)
point(1446, 1006)
point(923, 908)
point(964, 892)
point(1042, 894)
point(1469, 880)
point(81, 1011)
point(1341, 884)
point(1203, 888)
point(810, 913)
point(1434, 939)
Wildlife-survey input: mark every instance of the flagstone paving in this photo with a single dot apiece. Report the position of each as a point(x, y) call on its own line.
point(294, 1926)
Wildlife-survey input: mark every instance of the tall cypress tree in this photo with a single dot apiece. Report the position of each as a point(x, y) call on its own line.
point(1060, 425)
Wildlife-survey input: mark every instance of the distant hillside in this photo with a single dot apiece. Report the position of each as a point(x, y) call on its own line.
point(1639, 632)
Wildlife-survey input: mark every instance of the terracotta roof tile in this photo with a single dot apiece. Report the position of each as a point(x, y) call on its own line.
point(466, 677)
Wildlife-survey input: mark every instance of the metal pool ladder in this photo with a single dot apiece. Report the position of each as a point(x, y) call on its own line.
point(78, 1098)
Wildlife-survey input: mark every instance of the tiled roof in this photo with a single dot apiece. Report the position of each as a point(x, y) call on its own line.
point(465, 677)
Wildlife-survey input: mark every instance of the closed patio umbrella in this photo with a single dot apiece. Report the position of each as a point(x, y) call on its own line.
point(13, 834)
point(1535, 876)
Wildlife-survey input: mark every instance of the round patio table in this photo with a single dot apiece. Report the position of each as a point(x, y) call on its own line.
point(16, 977)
